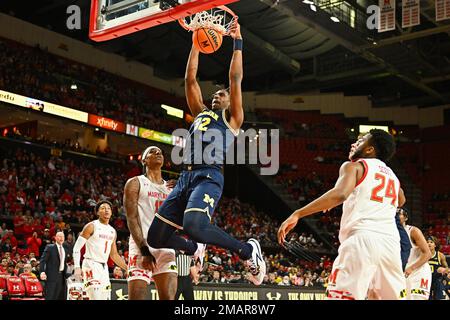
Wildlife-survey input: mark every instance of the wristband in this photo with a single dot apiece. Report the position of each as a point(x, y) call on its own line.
point(145, 252)
point(238, 44)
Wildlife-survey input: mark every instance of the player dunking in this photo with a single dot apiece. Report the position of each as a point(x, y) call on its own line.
point(142, 197)
point(194, 198)
point(418, 272)
point(100, 240)
point(369, 253)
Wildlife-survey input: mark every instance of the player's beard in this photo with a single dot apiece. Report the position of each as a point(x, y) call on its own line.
point(357, 154)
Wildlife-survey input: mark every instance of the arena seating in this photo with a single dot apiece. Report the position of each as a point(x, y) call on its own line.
point(36, 73)
point(312, 150)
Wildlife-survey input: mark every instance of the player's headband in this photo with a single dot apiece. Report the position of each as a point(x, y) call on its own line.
point(146, 152)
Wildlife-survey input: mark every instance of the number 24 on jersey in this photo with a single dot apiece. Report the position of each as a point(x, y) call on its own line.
point(386, 189)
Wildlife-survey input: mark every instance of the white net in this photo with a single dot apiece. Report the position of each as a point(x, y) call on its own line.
point(216, 19)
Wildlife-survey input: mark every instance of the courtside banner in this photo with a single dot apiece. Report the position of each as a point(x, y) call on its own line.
point(387, 15)
point(410, 13)
point(206, 291)
point(106, 123)
point(442, 10)
point(155, 136)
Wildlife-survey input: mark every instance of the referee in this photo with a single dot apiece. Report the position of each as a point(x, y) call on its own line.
point(184, 265)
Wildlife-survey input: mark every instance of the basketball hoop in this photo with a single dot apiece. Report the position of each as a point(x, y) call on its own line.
point(220, 19)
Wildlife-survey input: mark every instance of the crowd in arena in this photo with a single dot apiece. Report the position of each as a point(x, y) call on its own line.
point(40, 196)
point(35, 73)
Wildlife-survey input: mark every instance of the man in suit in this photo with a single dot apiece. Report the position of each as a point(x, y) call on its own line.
point(53, 269)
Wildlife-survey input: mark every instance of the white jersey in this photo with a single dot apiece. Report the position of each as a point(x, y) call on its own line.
point(373, 203)
point(151, 197)
point(98, 246)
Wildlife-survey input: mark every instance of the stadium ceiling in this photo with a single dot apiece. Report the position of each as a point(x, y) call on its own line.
point(291, 48)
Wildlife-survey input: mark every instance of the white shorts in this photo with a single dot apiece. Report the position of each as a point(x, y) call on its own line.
point(95, 274)
point(418, 283)
point(367, 260)
point(165, 262)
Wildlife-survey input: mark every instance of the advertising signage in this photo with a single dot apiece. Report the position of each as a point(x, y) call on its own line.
point(205, 291)
point(106, 123)
point(155, 136)
point(92, 119)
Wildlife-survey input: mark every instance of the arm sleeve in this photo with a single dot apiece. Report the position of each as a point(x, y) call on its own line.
point(76, 251)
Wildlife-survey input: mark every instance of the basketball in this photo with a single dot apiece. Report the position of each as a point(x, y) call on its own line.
point(207, 40)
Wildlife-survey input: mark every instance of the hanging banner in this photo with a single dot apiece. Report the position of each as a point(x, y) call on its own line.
point(132, 130)
point(442, 10)
point(410, 13)
point(387, 15)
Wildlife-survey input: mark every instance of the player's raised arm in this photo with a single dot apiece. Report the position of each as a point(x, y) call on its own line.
point(191, 87)
point(348, 175)
point(236, 75)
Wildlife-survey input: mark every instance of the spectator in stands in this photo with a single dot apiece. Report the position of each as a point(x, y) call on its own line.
point(3, 230)
point(34, 243)
point(10, 269)
point(46, 239)
point(118, 273)
point(6, 245)
point(4, 265)
point(34, 266)
point(27, 271)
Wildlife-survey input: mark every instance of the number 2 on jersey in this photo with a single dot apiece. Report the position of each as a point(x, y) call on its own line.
point(202, 124)
point(389, 192)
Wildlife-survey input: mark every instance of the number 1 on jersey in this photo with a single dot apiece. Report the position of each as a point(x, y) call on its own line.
point(389, 192)
point(158, 204)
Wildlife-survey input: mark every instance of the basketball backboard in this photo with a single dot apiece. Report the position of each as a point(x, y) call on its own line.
point(111, 19)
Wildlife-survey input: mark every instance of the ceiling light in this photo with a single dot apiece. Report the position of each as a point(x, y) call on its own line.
point(335, 19)
point(308, 2)
point(313, 8)
point(73, 87)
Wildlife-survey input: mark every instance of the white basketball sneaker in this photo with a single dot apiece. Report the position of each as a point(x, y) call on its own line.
point(199, 256)
point(256, 263)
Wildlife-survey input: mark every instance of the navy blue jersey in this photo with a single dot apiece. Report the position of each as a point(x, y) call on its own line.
point(405, 244)
point(435, 263)
point(437, 284)
point(210, 137)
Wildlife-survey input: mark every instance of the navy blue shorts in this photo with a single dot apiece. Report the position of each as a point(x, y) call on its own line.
point(198, 190)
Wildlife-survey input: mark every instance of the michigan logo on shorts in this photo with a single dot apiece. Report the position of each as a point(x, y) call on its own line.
point(209, 200)
point(173, 267)
point(402, 294)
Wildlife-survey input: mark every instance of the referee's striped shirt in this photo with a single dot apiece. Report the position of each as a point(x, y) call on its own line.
point(184, 263)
